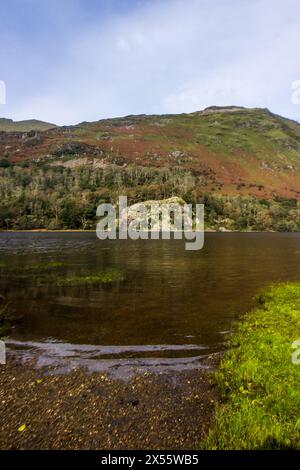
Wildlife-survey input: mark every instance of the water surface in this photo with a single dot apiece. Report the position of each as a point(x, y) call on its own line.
point(170, 311)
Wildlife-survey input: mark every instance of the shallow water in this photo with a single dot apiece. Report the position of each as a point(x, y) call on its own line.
point(171, 310)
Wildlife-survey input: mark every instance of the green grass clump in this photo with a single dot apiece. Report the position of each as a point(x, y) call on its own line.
point(102, 277)
point(46, 266)
point(259, 384)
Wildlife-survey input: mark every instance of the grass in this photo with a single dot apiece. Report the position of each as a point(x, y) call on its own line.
point(46, 266)
point(101, 277)
point(259, 384)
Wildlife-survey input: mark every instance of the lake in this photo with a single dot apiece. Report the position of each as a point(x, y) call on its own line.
point(168, 309)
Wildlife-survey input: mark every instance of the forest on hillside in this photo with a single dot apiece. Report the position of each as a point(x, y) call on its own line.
point(55, 197)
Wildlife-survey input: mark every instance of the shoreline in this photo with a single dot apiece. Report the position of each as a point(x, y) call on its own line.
point(42, 410)
point(238, 400)
point(259, 376)
point(94, 231)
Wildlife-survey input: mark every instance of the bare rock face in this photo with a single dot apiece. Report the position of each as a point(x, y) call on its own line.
point(80, 162)
point(135, 212)
point(222, 109)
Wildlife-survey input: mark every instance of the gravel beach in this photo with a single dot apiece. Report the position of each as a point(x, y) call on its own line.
point(40, 409)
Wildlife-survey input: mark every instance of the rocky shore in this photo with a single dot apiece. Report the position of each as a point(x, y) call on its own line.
point(40, 409)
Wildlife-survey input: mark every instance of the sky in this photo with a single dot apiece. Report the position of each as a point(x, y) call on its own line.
point(68, 61)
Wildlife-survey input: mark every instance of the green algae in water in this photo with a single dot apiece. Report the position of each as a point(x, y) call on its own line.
point(40, 273)
point(101, 277)
point(46, 266)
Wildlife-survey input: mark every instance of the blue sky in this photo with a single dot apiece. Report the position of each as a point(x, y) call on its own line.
point(66, 61)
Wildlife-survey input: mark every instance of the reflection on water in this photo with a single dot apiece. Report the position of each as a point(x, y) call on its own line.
point(171, 310)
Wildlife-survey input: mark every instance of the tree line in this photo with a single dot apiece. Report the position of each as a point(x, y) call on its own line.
point(56, 197)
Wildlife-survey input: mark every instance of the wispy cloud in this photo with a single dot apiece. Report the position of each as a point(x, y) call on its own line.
point(153, 57)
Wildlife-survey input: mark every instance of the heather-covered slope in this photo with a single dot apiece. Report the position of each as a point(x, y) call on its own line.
point(235, 150)
point(243, 163)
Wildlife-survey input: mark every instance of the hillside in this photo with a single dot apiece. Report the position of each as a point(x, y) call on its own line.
point(236, 150)
point(247, 157)
point(8, 125)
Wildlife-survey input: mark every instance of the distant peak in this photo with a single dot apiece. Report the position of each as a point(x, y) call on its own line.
point(6, 120)
point(26, 125)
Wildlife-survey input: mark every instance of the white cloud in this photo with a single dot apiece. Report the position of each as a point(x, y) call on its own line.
point(174, 56)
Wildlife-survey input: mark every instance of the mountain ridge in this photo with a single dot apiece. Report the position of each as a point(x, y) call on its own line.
point(235, 150)
point(242, 164)
point(9, 125)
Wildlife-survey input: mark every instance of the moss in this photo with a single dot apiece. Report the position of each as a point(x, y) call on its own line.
point(259, 384)
point(46, 266)
point(102, 277)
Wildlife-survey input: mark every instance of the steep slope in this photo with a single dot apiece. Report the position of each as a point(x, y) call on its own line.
point(234, 150)
point(244, 164)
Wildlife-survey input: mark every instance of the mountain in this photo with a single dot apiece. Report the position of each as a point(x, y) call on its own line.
point(235, 150)
point(8, 125)
point(245, 164)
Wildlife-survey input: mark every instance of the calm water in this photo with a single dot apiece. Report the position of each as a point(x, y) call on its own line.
point(172, 309)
